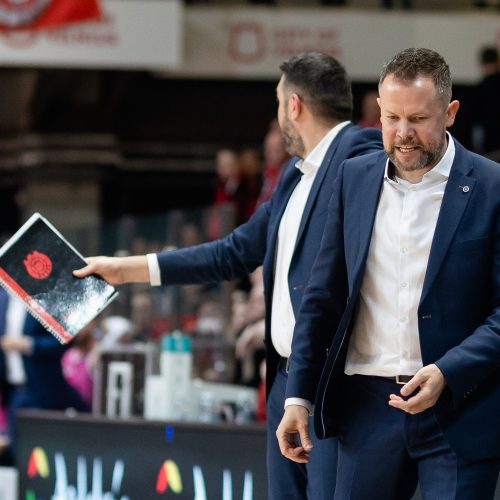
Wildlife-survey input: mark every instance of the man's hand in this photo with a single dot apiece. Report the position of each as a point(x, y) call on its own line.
point(117, 270)
point(20, 344)
point(431, 382)
point(295, 421)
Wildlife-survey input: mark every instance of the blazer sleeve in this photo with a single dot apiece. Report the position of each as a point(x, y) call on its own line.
point(236, 255)
point(322, 305)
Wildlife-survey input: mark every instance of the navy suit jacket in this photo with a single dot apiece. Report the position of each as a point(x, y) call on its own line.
point(458, 312)
point(45, 386)
point(254, 243)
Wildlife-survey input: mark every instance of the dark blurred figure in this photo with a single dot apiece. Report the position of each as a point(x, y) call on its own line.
point(275, 157)
point(487, 108)
point(389, 4)
point(482, 4)
point(230, 192)
point(251, 172)
point(370, 111)
point(30, 365)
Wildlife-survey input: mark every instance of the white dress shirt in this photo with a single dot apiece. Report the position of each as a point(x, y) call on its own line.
point(385, 338)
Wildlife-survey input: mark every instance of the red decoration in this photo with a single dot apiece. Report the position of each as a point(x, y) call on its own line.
point(32, 465)
point(38, 265)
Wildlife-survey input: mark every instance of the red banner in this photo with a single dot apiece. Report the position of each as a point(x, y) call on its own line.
point(45, 14)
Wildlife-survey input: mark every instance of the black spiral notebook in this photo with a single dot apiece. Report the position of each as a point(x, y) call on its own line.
point(37, 265)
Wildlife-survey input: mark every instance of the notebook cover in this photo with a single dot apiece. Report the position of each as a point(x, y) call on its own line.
point(37, 265)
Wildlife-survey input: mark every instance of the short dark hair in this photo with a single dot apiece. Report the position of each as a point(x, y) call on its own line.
point(409, 64)
point(322, 83)
point(488, 55)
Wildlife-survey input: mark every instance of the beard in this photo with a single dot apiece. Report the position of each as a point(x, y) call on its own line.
point(294, 145)
point(429, 156)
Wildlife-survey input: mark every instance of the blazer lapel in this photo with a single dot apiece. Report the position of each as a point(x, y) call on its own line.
point(318, 181)
point(272, 238)
point(368, 194)
point(456, 196)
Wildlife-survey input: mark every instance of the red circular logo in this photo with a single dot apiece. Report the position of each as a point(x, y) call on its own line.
point(38, 265)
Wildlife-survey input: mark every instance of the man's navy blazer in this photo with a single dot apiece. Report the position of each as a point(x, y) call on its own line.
point(254, 243)
point(458, 312)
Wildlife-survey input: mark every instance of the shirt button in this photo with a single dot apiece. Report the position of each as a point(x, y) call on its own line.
point(404, 285)
point(404, 250)
point(402, 319)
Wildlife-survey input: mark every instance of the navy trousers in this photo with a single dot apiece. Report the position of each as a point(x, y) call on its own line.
point(289, 480)
point(384, 452)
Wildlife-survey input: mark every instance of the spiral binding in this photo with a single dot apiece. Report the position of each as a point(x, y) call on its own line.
point(35, 314)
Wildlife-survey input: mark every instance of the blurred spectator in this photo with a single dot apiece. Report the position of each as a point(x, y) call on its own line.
point(275, 157)
point(251, 170)
point(148, 325)
point(212, 358)
point(79, 360)
point(210, 320)
point(190, 235)
point(30, 365)
point(486, 138)
point(249, 348)
point(370, 111)
point(116, 330)
point(230, 191)
point(239, 312)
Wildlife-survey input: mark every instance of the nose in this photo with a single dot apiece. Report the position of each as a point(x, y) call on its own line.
point(405, 130)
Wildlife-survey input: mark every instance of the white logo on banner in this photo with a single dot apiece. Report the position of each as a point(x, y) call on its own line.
point(15, 13)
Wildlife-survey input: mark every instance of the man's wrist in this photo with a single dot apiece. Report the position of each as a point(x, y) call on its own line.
point(300, 402)
point(154, 269)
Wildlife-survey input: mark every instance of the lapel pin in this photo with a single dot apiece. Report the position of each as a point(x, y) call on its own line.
point(465, 189)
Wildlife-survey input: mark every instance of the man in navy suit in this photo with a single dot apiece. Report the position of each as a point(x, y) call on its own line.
point(411, 383)
point(315, 106)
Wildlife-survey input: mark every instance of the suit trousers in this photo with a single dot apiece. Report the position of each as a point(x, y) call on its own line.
point(384, 452)
point(289, 480)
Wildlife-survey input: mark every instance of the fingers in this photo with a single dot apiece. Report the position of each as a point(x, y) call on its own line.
point(416, 404)
point(86, 270)
point(429, 382)
point(293, 424)
point(413, 384)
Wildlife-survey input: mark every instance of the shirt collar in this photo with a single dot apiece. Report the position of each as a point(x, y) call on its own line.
point(441, 169)
point(314, 159)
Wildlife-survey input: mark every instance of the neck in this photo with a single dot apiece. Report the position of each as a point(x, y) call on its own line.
point(314, 134)
point(413, 176)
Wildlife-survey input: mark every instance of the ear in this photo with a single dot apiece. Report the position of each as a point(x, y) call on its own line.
point(295, 106)
point(451, 112)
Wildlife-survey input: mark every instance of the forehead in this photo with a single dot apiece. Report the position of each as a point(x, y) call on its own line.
point(415, 94)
